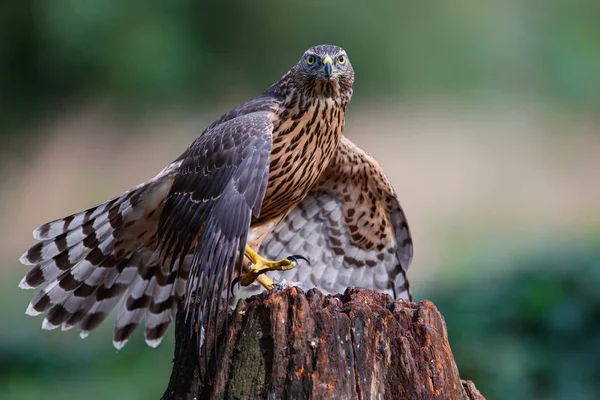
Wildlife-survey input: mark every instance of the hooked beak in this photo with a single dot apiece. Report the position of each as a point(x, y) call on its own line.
point(327, 67)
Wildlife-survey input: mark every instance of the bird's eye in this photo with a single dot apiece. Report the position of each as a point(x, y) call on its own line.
point(341, 60)
point(310, 60)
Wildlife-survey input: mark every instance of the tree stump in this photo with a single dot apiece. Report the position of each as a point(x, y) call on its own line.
point(290, 345)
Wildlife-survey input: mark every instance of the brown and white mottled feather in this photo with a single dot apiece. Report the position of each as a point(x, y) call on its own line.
point(182, 234)
point(85, 263)
point(350, 226)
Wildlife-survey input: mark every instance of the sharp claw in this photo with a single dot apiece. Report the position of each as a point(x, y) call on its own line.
point(295, 258)
point(234, 282)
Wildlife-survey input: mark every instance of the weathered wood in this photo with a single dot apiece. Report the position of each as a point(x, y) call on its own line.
point(290, 345)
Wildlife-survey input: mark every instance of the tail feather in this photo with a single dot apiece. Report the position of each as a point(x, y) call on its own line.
point(49, 248)
point(132, 310)
point(163, 305)
point(68, 282)
point(82, 305)
point(53, 229)
point(106, 300)
point(86, 263)
point(56, 301)
point(91, 241)
point(106, 294)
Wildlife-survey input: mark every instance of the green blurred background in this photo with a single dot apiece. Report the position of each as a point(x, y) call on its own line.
point(485, 116)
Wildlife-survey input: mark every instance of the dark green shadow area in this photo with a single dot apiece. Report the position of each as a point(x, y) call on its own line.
point(529, 329)
point(36, 364)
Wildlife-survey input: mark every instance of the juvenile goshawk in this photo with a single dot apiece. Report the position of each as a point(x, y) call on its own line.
point(273, 176)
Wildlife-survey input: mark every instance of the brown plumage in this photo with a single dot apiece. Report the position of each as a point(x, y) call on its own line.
point(248, 178)
point(350, 225)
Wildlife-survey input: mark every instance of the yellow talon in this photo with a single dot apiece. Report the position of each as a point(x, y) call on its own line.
point(260, 265)
point(266, 282)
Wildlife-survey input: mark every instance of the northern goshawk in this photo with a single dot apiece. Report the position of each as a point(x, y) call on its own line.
point(274, 176)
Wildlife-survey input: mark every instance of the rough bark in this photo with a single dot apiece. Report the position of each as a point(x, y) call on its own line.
point(291, 345)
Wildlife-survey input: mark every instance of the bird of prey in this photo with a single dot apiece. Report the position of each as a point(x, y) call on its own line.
point(269, 179)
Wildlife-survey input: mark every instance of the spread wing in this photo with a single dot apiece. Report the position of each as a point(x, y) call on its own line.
point(218, 186)
point(350, 226)
point(85, 263)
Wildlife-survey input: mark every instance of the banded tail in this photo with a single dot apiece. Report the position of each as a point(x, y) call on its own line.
point(85, 263)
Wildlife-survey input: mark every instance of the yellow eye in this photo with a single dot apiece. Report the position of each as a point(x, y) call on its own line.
point(310, 60)
point(341, 60)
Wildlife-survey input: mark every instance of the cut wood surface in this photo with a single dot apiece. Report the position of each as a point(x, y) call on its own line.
point(286, 344)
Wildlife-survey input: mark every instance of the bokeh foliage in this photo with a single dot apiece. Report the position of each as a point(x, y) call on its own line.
point(59, 365)
point(153, 53)
point(523, 327)
point(531, 329)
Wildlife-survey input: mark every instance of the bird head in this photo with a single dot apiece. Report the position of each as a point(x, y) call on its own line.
point(326, 70)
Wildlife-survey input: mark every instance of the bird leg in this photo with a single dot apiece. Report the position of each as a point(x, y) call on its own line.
point(266, 282)
point(259, 265)
point(263, 279)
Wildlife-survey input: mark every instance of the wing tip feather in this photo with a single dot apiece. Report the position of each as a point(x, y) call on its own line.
point(66, 327)
point(47, 325)
point(37, 235)
point(32, 311)
point(24, 285)
point(119, 343)
point(154, 342)
point(24, 259)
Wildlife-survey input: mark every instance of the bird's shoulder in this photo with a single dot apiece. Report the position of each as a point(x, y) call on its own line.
point(352, 162)
point(266, 103)
point(235, 129)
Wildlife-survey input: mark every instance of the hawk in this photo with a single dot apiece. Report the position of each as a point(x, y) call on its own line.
point(269, 179)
